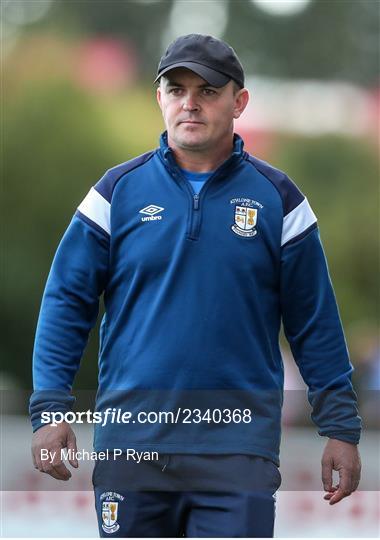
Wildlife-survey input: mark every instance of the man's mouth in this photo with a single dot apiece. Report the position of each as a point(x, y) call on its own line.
point(194, 122)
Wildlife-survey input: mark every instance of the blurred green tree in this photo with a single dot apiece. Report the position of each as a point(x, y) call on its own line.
point(328, 40)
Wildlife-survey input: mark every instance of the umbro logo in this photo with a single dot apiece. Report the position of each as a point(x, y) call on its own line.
point(151, 210)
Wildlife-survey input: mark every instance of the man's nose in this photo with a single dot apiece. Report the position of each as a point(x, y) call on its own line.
point(190, 103)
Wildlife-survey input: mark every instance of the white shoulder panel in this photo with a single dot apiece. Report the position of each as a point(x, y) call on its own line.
point(96, 208)
point(297, 221)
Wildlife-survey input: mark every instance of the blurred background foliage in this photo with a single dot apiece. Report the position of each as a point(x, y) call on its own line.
point(77, 98)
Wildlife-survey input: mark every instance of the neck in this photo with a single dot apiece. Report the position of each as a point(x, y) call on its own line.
point(201, 160)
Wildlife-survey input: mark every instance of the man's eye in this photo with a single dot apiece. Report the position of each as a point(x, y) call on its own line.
point(208, 91)
point(175, 91)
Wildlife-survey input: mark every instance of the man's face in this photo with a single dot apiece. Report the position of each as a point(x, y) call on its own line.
point(197, 115)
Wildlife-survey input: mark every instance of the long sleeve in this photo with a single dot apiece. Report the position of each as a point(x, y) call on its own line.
point(68, 311)
point(314, 331)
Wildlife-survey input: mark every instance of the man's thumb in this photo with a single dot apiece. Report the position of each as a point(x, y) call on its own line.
point(72, 447)
point(327, 474)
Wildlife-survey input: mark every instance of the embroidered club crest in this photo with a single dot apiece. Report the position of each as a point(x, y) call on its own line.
point(109, 511)
point(245, 221)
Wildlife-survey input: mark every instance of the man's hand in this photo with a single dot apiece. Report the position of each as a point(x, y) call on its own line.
point(52, 439)
point(345, 458)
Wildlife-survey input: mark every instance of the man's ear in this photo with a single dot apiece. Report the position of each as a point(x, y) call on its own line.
point(241, 101)
point(158, 95)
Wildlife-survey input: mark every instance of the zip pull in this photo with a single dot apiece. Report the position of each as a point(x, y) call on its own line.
point(167, 463)
point(196, 202)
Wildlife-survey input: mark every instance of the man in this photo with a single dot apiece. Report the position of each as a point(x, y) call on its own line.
point(200, 249)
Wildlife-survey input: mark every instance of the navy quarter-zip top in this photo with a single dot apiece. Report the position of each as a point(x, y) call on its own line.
point(195, 288)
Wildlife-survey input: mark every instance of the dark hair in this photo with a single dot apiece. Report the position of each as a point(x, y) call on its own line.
point(236, 86)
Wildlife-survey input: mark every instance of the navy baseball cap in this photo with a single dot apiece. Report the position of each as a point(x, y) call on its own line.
point(210, 58)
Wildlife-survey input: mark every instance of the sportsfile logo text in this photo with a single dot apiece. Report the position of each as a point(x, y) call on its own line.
point(180, 415)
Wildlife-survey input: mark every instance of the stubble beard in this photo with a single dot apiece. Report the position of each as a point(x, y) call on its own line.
point(190, 143)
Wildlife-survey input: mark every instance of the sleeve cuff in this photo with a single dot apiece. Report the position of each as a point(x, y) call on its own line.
point(352, 437)
point(48, 401)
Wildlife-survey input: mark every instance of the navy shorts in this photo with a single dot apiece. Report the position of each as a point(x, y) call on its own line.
point(186, 495)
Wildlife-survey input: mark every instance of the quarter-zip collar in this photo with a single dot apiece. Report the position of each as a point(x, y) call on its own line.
point(195, 200)
point(168, 156)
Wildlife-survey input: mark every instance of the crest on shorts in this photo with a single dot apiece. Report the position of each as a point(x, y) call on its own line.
point(245, 221)
point(110, 508)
